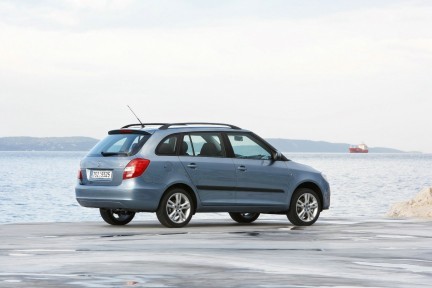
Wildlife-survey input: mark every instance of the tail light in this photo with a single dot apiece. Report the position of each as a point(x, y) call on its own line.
point(135, 168)
point(80, 177)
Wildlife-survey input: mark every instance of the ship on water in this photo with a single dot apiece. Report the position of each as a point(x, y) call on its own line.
point(362, 148)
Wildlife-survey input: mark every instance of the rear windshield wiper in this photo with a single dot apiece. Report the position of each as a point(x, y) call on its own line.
point(107, 154)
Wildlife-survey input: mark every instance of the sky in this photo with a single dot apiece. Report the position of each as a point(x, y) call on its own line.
point(337, 71)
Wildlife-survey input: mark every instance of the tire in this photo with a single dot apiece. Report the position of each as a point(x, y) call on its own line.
point(305, 207)
point(116, 216)
point(175, 209)
point(244, 217)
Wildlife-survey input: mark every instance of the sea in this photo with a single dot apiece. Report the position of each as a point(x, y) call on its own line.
point(39, 186)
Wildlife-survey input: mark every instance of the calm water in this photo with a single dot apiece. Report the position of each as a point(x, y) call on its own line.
point(39, 186)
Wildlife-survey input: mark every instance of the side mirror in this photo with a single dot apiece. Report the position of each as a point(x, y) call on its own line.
point(277, 156)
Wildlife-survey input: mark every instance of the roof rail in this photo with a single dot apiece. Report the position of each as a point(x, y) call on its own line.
point(166, 126)
point(144, 124)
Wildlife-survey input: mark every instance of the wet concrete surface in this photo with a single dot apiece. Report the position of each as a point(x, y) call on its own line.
point(218, 253)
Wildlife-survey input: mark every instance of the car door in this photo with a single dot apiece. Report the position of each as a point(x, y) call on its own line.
point(203, 155)
point(261, 181)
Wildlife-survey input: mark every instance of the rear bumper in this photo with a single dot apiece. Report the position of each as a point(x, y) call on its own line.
point(134, 198)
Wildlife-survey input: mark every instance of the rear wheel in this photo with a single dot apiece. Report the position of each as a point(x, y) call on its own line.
point(244, 217)
point(175, 209)
point(305, 207)
point(116, 216)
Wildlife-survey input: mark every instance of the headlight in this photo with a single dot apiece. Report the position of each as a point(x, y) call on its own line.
point(324, 176)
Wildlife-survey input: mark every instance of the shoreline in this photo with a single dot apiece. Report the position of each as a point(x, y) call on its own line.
point(332, 252)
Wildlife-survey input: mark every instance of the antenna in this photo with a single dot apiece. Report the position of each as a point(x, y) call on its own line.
point(142, 125)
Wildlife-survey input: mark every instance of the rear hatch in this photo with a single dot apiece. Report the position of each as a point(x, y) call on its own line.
point(106, 162)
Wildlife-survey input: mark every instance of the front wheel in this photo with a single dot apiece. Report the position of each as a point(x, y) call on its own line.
point(244, 217)
point(116, 216)
point(305, 207)
point(175, 209)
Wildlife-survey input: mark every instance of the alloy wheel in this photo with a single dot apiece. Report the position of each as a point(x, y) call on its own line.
point(178, 208)
point(307, 207)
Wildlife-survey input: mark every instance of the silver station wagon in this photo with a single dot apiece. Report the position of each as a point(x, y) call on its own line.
point(179, 169)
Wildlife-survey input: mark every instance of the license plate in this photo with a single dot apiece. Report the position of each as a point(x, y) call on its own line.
point(102, 174)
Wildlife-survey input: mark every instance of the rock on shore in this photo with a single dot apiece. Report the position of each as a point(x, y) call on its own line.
point(418, 207)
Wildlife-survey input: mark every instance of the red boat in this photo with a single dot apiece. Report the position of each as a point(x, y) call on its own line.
point(362, 148)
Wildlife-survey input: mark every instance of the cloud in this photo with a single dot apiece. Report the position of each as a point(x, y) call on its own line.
point(330, 76)
point(349, 43)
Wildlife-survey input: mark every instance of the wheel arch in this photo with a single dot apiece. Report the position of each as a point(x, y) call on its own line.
point(184, 187)
point(313, 186)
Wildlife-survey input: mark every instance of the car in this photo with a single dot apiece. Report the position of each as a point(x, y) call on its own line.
point(179, 169)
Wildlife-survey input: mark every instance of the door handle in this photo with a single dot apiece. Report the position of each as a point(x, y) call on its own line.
point(241, 168)
point(192, 165)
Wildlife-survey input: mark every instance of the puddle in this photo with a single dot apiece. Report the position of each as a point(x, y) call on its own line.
point(407, 267)
point(395, 236)
point(252, 234)
point(45, 250)
point(20, 255)
point(117, 235)
point(24, 252)
point(175, 233)
point(12, 281)
point(291, 228)
point(119, 281)
point(272, 249)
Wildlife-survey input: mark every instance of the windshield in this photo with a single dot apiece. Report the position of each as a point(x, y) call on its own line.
point(119, 145)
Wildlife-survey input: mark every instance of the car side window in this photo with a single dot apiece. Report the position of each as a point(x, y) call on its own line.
point(246, 147)
point(167, 146)
point(186, 149)
point(206, 145)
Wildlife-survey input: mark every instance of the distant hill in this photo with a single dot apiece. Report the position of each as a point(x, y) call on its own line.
point(86, 143)
point(47, 143)
point(287, 145)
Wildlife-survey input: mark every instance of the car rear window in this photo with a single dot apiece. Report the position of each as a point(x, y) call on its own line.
point(119, 145)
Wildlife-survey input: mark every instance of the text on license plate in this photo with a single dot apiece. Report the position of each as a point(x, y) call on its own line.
point(101, 174)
